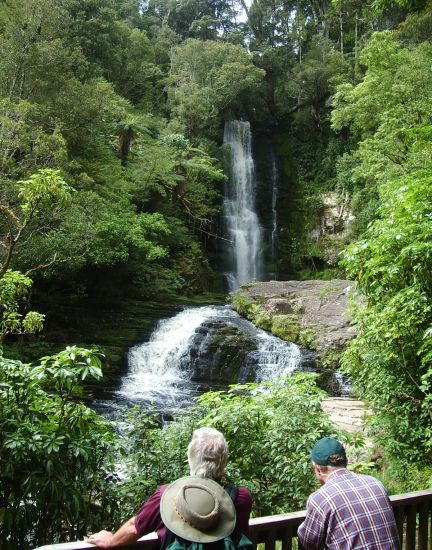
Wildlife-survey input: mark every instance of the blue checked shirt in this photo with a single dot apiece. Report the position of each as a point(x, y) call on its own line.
point(350, 511)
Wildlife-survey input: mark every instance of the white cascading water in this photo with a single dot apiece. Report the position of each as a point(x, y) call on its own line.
point(277, 358)
point(159, 372)
point(156, 375)
point(154, 366)
point(241, 219)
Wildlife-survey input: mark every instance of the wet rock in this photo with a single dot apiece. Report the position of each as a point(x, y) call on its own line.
point(314, 314)
point(220, 354)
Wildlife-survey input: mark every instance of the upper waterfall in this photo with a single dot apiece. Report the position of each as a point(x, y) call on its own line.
point(239, 208)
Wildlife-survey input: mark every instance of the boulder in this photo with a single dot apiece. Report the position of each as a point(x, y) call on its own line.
point(318, 307)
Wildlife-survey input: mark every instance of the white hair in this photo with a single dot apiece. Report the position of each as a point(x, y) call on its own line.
point(207, 453)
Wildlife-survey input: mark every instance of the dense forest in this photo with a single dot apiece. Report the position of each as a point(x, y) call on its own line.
point(112, 169)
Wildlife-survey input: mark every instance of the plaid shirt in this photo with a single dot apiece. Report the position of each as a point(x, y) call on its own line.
point(350, 511)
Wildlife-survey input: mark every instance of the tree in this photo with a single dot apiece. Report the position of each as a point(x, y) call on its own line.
point(201, 19)
point(39, 195)
point(55, 453)
point(33, 51)
point(128, 129)
point(387, 116)
point(390, 362)
point(315, 79)
point(209, 81)
point(14, 290)
point(26, 142)
point(408, 4)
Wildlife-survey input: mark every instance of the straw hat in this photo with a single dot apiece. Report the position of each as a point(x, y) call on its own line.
point(198, 510)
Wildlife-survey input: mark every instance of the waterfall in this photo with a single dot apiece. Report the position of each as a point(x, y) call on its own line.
point(155, 368)
point(167, 371)
point(240, 217)
point(277, 358)
point(208, 347)
point(274, 198)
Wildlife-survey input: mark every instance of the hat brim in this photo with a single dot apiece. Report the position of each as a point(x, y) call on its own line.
point(174, 523)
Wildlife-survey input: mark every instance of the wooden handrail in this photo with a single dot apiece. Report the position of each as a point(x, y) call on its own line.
point(413, 512)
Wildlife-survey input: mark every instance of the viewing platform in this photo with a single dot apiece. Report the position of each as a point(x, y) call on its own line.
point(413, 512)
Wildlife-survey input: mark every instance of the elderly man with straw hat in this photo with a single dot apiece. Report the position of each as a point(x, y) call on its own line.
point(195, 508)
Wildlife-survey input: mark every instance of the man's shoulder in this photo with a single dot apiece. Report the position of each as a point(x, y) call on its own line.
point(371, 481)
point(364, 478)
point(243, 494)
point(161, 489)
point(352, 481)
point(320, 503)
point(319, 496)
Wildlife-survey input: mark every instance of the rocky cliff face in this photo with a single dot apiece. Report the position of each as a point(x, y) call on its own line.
point(334, 226)
point(311, 313)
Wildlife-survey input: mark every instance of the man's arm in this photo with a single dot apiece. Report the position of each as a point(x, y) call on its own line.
point(127, 534)
point(147, 519)
point(312, 532)
point(243, 506)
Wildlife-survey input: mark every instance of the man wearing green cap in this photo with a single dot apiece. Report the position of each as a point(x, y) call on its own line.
point(350, 511)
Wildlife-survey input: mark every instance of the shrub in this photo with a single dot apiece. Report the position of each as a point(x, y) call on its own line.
point(390, 362)
point(286, 327)
point(55, 453)
point(270, 429)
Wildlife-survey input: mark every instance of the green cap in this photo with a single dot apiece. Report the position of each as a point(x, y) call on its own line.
point(324, 449)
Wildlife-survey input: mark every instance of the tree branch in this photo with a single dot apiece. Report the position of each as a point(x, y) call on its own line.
point(48, 264)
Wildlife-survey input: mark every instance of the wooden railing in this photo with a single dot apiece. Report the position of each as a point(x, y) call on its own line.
point(413, 512)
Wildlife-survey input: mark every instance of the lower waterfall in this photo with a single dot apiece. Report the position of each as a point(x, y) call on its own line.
point(203, 348)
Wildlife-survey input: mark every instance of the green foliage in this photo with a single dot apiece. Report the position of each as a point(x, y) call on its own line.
point(26, 143)
point(409, 4)
point(416, 28)
point(14, 289)
point(64, 66)
point(390, 360)
point(241, 304)
point(36, 200)
point(286, 327)
point(209, 80)
point(176, 140)
point(388, 116)
point(55, 452)
point(269, 450)
point(42, 191)
point(322, 68)
point(307, 338)
point(153, 456)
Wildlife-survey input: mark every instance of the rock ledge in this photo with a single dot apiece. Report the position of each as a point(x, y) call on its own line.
point(320, 306)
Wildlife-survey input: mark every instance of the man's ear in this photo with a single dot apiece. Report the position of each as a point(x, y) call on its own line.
point(319, 473)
